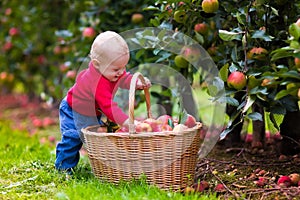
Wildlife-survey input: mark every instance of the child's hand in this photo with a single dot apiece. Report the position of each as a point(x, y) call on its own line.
point(141, 86)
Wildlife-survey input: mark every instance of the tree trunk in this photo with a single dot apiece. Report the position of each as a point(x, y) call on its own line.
point(259, 130)
point(234, 137)
point(290, 131)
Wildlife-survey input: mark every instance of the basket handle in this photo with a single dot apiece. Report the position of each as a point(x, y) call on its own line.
point(133, 82)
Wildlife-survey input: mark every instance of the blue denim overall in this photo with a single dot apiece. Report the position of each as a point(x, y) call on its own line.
point(71, 123)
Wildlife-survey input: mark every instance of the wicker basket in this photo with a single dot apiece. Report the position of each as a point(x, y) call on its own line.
point(167, 159)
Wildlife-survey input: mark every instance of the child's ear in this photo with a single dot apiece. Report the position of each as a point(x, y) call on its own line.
point(96, 63)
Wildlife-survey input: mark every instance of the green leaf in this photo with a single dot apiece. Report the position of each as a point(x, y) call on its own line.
point(223, 73)
point(230, 125)
point(295, 44)
point(250, 100)
point(139, 53)
point(228, 36)
point(199, 38)
point(273, 120)
point(291, 74)
point(151, 8)
point(259, 90)
point(241, 18)
point(255, 116)
point(212, 90)
point(232, 101)
point(281, 53)
point(260, 34)
point(294, 30)
point(225, 132)
point(274, 11)
point(155, 22)
point(281, 94)
point(164, 56)
point(161, 34)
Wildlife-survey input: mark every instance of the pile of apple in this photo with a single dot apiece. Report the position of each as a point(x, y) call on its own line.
point(161, 124)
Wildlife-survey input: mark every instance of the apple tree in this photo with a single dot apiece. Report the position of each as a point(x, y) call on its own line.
point(259, 38)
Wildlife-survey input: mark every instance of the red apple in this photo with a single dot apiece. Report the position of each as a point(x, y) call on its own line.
point(249, 138)
point(169, 9)
point(298, 22)
point(47, 121)
point(122, 130)
point(261, 182)
point(43, 140)
point(268, 135)
point(57, 50)
point(295, 178)
point(102, 129)
point(237, 80)
point(155, 124)
point(297, 62)
point(89, 32)
point(277, 136)
point(220, 188)
point(181, 3)
point(71, 74)
point(257, 53)
point(201, 28)
point(41, 59)
point(190, 121)
point(8, 11)
point(3, 76)
point(7, 46)
point(164, 119)
point(38, 123)
point(51, 139)
point(284, 181)
point(166, 127)
point(201, 186)
point(191, 54)
point(14, 31)
point(143, 127)
point(63, 67)
point(137, 18)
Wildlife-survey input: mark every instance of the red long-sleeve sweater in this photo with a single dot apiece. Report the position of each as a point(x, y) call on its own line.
point(92, 92)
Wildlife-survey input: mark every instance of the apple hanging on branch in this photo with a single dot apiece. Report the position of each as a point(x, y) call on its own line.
point(237, 80)
point(210, 6)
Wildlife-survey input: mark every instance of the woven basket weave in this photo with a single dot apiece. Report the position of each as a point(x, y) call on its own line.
point(167, 159)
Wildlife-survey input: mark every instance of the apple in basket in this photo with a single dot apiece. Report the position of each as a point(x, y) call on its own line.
point(102, 129)
point(190, 121)
point(154, 124)
point(180, 127)
point(122, 130)
point(143, 127)
point(166, 127)
point(164, 119)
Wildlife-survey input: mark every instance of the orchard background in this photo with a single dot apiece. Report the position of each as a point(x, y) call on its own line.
point(43, 44)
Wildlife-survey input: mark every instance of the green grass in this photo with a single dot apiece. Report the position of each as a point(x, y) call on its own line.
point(27, 172)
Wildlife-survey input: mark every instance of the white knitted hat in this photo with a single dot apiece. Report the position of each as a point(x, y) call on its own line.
point(108, 45)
